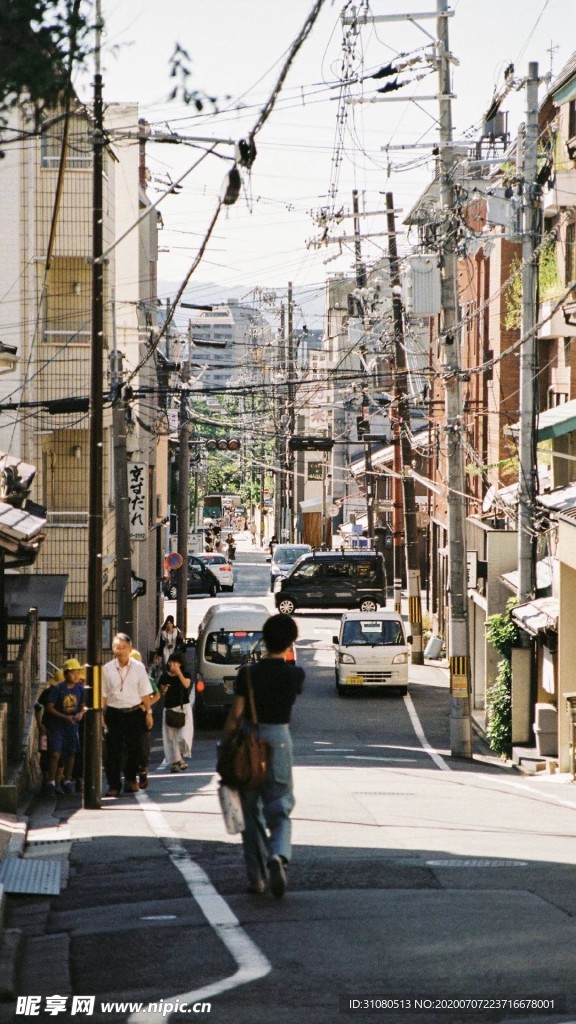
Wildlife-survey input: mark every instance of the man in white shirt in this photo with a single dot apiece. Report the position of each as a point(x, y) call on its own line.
point(126, 692)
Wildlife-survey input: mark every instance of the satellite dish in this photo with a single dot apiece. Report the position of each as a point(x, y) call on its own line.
point(488, 499)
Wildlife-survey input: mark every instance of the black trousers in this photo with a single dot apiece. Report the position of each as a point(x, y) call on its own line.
point(124, 730)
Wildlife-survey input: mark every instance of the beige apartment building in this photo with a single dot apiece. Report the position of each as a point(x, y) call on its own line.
point(45, 314)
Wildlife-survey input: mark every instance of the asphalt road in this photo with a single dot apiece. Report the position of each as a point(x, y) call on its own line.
point(437, 890)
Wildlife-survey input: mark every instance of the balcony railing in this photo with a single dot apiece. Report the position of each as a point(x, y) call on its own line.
point(67, 519)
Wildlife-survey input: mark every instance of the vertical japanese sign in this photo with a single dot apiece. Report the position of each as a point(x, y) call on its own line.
point(137, 500)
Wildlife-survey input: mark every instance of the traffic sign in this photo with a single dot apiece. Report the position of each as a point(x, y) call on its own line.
point(174, 560)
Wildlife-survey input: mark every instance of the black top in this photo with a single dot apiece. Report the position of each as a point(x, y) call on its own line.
point(176, 694)
point(276, 685)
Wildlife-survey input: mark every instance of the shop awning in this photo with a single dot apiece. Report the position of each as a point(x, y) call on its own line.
point(560, 499)
point(311, 505)
point(537, 616)
point(42, 591)
point(543, 576)
point(551, 423)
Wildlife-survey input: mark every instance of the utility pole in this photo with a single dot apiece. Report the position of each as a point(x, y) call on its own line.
point(403, 443)
point(183, 494)
point(527, 474)
point(291, 372)
point(92, 795)
point(458, 639)
point(397, 496)
point(368, 469)
point(281, 441)
point(121, 505)
point(361, 283)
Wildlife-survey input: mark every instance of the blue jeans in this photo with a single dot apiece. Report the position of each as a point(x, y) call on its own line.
point(268, 808)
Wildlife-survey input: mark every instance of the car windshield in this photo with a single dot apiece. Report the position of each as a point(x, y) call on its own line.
point(231, 646)
point(287, 554)
point(372, 632)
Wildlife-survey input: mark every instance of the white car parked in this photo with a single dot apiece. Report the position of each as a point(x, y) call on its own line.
point(372, 650)
point(221, 568)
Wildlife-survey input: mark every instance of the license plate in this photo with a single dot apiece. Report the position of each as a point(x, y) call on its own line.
point(229, 684)
point(354, 680)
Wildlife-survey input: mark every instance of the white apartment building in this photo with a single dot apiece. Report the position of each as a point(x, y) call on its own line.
point(45, 313)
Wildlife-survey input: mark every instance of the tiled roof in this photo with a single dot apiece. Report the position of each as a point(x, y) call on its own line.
point(567, 72)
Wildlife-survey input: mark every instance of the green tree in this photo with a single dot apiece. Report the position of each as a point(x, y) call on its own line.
point(502, 633)
point(40, 43)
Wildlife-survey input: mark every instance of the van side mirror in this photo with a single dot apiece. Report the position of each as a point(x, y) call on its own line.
point(334, 639)
point(409, 639)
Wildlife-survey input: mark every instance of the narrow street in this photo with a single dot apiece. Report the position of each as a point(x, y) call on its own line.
point(403, 859)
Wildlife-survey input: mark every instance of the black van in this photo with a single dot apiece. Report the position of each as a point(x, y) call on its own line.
point(333, 579)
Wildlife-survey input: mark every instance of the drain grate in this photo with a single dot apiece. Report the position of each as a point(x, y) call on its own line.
point(31, 877)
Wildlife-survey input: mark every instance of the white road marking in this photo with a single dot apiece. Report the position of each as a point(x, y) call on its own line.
point(378, 757)
point(251, 962)
point(417, 726)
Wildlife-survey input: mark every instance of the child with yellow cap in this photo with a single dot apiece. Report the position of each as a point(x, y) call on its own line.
point(66, 708)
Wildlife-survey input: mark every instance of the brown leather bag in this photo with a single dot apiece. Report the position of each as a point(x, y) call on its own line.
point(244, 757)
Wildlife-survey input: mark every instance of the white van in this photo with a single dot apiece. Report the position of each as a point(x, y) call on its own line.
point(228, 635)
point(372, 650)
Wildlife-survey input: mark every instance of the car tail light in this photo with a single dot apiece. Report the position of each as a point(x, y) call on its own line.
point(199, 685)
point(226, 568)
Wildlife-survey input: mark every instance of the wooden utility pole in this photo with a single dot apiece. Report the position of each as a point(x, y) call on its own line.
point(183, 495)
point(361, 283)
point(281, 438)
point(528, 471)
point(402, 442)
point(458, 639)
point(92, 793)
point(124, 602)
point(291, 374)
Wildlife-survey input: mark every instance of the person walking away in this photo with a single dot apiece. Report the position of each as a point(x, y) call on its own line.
point(252, 529)
point(41, 719)
point(276, 684)
point(175, 687)
point(231, 547)
point(147, 732)
point(273, 543)
point(126, 693)
point(169, 638)
point(65, 708)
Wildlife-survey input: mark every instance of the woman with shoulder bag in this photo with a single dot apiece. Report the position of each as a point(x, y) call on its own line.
point(275, 685)
point(177, 720)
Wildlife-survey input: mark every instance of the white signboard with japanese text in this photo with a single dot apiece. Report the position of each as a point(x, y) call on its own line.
point(137, 499)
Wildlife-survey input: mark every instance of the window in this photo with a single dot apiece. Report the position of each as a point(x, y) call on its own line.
point(67, 302)
point(227, 647)
point(338, 570)
point(310, 571)
point(367, 574)
point(570, 264)
point(572, 119)
point(373, 633)
point(79, 144)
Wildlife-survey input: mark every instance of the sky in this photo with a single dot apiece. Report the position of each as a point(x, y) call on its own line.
point(314, 149)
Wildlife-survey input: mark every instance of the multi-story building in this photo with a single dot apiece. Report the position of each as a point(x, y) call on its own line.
point(46, 313)
point(224, 341)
